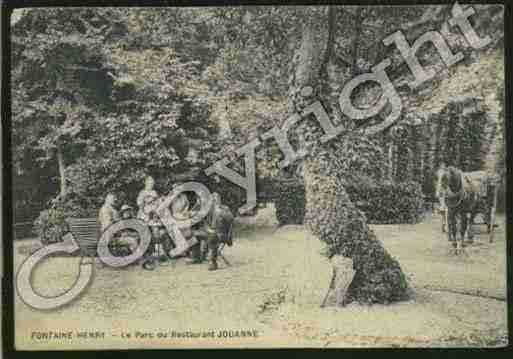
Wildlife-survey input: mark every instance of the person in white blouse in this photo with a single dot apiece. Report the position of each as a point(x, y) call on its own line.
point(108, 214)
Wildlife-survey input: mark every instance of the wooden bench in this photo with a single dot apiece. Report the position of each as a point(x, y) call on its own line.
point(86, 232)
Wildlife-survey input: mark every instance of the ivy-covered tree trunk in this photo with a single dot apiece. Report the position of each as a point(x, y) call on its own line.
point(330, 214)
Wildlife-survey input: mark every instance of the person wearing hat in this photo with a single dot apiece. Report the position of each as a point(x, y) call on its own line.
point(126, 211)
point(219, 229)
point(128, 237)
point(213, 230)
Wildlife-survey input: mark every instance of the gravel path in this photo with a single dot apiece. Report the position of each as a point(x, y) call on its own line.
point(266, 263)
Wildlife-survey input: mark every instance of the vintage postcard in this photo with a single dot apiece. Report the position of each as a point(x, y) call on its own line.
point(257, 177)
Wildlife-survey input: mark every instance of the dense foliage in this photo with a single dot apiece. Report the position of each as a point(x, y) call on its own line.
point(290, 202)
point(388, 202)
point(362, 163)
point(382, 203)
point(103, 101)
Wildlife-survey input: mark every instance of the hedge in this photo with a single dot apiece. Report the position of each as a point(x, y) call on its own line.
point(389, 202)
point(382, 203)
point(289, 202)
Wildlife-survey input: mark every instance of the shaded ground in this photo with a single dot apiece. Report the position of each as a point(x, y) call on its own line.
point(274, 287)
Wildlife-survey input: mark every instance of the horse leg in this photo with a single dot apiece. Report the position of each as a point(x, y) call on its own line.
point(451, 229)
point(444, 220)
point(488, 219)
point(463, 229)
point(470, 229)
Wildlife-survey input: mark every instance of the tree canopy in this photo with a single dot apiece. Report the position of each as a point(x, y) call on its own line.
point(103, 96)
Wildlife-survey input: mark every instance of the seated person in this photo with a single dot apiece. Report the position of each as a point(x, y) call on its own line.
point(180, 211)
point(126, 212)
point(108, 214)
point(145, 199)
point(128, 237)
point(213, 230)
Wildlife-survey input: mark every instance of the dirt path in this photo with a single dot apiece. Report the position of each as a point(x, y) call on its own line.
point(424, 254)
point(247, 297)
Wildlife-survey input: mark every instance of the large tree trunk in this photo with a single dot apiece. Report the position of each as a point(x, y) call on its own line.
point(330, 214)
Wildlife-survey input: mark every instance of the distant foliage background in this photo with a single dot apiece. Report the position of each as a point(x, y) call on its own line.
point(102, 97)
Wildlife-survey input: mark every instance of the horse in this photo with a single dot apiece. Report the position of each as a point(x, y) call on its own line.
point(442, 207)
point(465, 197)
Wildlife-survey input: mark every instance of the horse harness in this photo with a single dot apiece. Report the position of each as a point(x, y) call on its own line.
point(467, 192)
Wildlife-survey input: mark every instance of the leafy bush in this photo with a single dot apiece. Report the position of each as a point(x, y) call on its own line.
point(382, 203)
point(388, 202)
point(51, 226)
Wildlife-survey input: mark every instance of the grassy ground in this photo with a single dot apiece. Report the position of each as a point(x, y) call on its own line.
point(274, 287)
